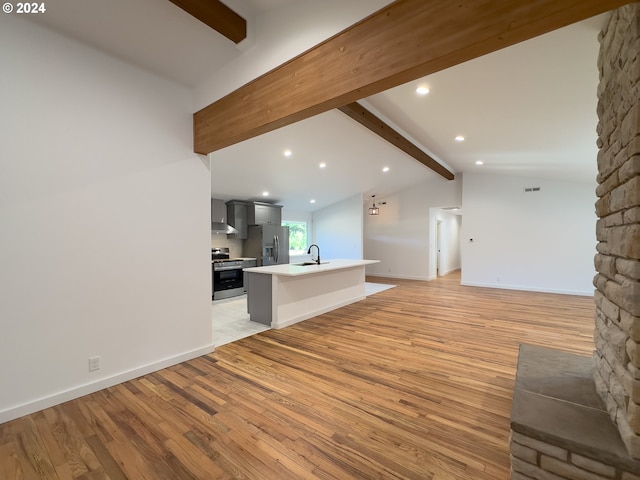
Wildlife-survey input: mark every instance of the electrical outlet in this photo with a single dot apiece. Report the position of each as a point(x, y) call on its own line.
point(94, 364)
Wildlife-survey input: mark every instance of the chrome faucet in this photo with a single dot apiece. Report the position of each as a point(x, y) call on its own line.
point(309, 252)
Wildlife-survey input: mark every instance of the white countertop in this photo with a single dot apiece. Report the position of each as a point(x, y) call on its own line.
point(292, 270)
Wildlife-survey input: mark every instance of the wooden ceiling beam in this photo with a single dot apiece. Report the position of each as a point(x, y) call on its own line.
point(216, 15)
point(404, 41)
point(367, 119)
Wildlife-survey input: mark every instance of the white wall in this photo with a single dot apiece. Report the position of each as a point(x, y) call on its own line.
point(297, 216)
point(542, 241)
point(104, 221)
point(279, 36)
point(452, 258)
point(337, 229)
point(402, 235)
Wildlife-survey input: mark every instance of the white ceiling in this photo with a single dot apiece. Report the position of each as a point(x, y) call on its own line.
point(526, 110)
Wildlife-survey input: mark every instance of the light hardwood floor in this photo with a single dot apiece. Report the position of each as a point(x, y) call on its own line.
point(411, 383)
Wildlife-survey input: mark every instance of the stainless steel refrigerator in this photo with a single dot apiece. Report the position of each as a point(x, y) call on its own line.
point(268, 243)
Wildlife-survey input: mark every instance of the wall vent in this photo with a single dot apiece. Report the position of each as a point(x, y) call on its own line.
point(531, 189)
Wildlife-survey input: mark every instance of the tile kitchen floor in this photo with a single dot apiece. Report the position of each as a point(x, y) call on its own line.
point(231, 320)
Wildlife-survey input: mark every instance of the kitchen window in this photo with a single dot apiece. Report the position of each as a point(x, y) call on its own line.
point(298, 234)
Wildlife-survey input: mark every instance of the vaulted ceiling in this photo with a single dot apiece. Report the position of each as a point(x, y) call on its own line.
point(527, 110)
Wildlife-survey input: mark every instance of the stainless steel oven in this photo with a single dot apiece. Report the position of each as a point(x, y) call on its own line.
point(228, 279)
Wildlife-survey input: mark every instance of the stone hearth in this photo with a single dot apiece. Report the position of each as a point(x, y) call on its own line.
point(560, 428)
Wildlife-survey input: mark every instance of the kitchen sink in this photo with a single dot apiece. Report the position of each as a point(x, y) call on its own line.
point(306, 264)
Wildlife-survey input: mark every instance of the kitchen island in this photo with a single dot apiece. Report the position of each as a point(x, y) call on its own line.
point(281, 295)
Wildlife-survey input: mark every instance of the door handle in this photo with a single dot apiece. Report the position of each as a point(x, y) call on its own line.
point(276, 241)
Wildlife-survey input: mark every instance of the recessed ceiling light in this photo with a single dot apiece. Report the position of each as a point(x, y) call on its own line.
point(265, 194)
point(422, 90)
point(479, 162)
point(322, 165)
point(288, 153)
point(385, 169)
point(313, 200)
point(459, 138)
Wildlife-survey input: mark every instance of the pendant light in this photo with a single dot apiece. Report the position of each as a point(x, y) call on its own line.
point(374, 210)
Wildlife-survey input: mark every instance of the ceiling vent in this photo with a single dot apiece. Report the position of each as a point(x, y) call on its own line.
point(531, 189)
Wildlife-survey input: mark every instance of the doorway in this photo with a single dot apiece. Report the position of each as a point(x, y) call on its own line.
point(444, 241)
point(438, 246)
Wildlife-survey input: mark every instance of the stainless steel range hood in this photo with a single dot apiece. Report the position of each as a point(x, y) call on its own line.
point(219, 218)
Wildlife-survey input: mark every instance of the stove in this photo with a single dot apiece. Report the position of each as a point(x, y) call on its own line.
point(221, 261)
point(227, 274)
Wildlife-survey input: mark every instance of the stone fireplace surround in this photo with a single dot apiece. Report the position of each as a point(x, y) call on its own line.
point(577, 417)
point(560, 428)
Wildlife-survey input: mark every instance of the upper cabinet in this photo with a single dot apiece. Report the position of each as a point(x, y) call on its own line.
point(241, 214)
point(259, 213)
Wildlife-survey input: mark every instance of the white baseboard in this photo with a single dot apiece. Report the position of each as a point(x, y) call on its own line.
point(401, 277)
point(528, 289)
point(76, 392)
point(315, 313)
point(451, 270)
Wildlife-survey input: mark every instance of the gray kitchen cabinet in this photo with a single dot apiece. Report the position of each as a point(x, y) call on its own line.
point(247, 263)
point(264, 213)
point(237, 212)
point(259, 298)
